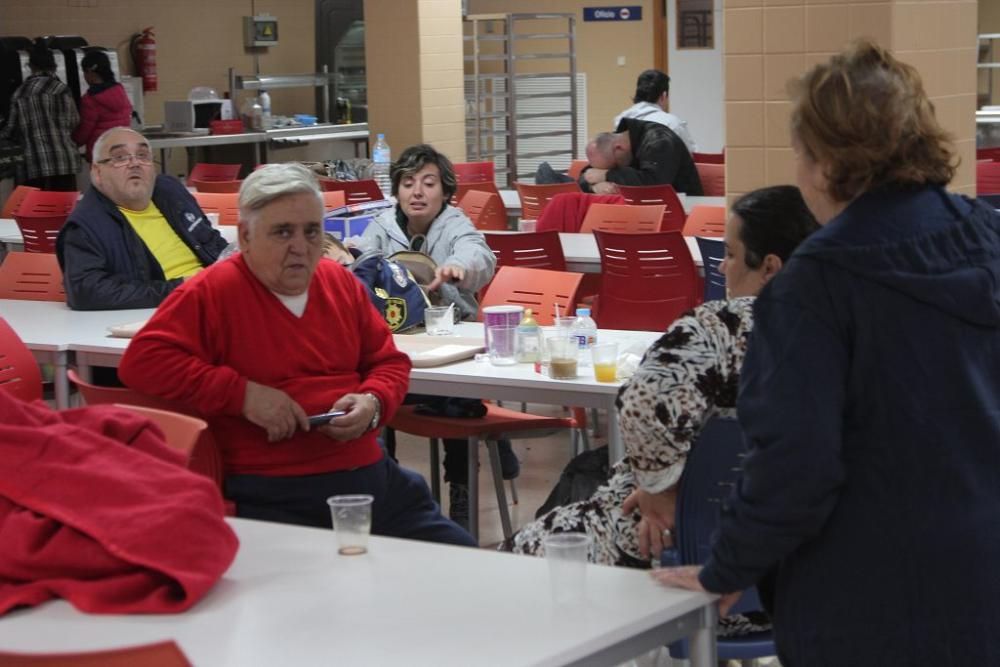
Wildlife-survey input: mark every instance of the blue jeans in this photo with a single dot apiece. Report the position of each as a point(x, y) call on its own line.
point(403, 504)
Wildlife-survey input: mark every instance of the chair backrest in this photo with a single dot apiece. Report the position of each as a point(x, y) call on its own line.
point(485, 209)
point(161, 654)
point(19, 374)
point(707, 221)
point(534, 198)
point(334, 199)
point(206, 458)
point(207, 171)
point(226, 204)
point(535, 250)
point(654, 195)
point(31, 276)
point(713, 178)
point(622, 218)
point(354, 191)
point(647, 280)
point(576, 168)
point(474, 171)
point(988, 178)
point(709, 158)
point(992, 154)
point(469, 186)
point(40, 217)
point(216, 186)
point(538, 289)
point(180, 431)
point(713, 251)
point(14, 200)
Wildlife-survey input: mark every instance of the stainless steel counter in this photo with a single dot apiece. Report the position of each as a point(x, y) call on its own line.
point(322, 132)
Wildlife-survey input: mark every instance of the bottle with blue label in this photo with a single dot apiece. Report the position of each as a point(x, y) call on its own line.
point(381, 165)
point(585, 331)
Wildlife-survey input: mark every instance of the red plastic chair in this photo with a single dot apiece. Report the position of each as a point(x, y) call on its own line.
point(576, 168)
point(988, 178)
point(470, 186)
point(14, 200)
point(40, 217)
point(181, 432)
point(207, 171)
point(226, 204)
point(713, 179)
point(648, 280)
point(992, 154)
point(708, 221)
point(538, 289)
point(534, 198)
point(31, 276)
point(19, 373)
point(334, 199)
point(709, 158)
point(205, 459)
point(160, 654)
point(533, 250)
point(466, 172)
point(216, 186)
point(485, 209)
point(355, 191)
point(622, 218)
point(653, 195)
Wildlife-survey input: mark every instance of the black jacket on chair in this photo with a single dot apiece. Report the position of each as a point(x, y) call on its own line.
point(105, 264)
point(659, 157)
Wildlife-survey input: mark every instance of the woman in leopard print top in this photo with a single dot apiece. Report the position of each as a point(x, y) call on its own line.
point(689, 375)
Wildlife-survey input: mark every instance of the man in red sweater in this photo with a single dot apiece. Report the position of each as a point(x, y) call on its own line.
point(258, 342)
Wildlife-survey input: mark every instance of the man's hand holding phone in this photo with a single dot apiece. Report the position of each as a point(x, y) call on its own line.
point(357, 409)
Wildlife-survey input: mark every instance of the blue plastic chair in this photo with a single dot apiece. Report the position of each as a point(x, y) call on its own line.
point(712, 469)
point(713, 251)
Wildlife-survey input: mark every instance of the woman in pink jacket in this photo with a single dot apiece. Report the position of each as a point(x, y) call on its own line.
point(105, 105)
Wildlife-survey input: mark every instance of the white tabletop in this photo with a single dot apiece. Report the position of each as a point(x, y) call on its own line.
point(10, 233)
point(289, 599)
point(51, 325)
point(512, 201)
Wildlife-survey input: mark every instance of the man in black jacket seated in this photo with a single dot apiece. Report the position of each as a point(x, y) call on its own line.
point(639, 153)
point(134, 236)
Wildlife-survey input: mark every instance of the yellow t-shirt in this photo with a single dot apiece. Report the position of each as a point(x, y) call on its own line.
point(176, 259)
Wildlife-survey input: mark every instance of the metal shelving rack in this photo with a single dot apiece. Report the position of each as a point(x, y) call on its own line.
point(989, 62)
point(497, 53)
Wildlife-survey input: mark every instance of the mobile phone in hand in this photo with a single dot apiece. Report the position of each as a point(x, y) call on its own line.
point(325, 418)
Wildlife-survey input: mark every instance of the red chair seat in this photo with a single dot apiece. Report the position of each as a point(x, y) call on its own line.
point(497, 422)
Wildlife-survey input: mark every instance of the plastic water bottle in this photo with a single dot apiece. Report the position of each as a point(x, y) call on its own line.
point(265, 106)
point(584, 329)
point(382, 162)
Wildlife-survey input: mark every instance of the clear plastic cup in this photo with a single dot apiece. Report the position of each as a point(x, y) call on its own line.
point(439, 320)
point(352, 522)
point(567, 554)
point(501, 344)
point(605, 356)
point(563, 351)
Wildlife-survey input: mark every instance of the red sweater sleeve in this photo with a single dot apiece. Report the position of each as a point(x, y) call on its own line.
point(170, 357)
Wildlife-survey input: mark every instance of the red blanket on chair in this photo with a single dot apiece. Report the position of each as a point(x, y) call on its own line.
point(565, 212)
point(94, 508)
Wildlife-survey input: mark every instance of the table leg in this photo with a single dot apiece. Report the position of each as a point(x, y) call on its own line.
point(703, 648)
point(61, 381)
point(616, 449)
point(473, 486)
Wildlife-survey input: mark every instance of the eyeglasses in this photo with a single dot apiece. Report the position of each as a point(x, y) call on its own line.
point(122, 159)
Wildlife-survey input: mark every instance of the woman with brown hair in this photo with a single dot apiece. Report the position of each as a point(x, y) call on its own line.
point(870, 396)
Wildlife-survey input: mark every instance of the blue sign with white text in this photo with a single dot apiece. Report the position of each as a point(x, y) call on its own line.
point(630, 13)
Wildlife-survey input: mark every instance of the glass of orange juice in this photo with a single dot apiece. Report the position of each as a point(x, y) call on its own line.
point(605, 357)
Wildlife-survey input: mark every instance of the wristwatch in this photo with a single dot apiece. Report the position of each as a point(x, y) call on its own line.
point(378, 410)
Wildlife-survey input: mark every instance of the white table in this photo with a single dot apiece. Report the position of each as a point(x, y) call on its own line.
point(512, 202)
point(50, 330)
point(289, 599)
point(10, 233)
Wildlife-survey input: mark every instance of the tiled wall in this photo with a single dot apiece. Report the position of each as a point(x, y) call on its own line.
point(413, 57)
point(769, 42)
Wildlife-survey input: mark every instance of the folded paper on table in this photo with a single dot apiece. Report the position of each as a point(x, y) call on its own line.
point(425, 351)
point(126, 330)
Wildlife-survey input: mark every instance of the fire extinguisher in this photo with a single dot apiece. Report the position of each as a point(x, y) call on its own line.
point(143, 48)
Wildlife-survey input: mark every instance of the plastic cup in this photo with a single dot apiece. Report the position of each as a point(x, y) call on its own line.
point(605, 356)
point(565, 323)
point(352, 522)
point(506, 315)
point(439, 320)
point(567, 554)
point(501, 344)
point(563, 352)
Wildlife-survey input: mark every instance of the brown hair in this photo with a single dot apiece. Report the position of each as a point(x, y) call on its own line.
point(864, 116)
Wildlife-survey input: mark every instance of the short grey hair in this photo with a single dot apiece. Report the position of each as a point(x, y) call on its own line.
point(273, 181)
point(103, 139)
point(604, 144)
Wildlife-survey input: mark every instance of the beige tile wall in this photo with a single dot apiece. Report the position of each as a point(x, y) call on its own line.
point(769, 42)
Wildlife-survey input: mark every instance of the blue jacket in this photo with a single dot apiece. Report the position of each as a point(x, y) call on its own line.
point(870, 397)
point(105, 264)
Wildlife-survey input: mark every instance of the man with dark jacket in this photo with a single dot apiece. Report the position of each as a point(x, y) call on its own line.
point(640, 153)
point(134, 236)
